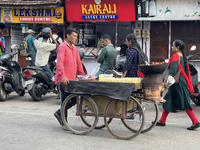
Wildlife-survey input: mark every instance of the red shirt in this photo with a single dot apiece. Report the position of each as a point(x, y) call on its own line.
point(68, 63)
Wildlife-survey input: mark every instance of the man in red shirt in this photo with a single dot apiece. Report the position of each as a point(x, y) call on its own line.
point(68, 65)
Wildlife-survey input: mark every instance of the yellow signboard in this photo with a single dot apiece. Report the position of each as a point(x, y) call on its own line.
point(47, 15)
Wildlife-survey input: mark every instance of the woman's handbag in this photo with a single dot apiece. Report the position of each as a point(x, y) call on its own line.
point(140, 74)
point(176, 76)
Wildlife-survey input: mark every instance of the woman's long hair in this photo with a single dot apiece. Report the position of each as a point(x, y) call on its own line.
point(131, 37)
point(181, 46)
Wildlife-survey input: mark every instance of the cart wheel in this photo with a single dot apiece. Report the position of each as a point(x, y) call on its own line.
point(73, 121)
point(120, 125)
point(151, 113)
point(100, 124)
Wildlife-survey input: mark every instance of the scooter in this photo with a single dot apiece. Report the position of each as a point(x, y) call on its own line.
point(195, 97)
point(10, 76)
point(52, 61)
point(37, 82)
point(121, 58)
point(117, 71)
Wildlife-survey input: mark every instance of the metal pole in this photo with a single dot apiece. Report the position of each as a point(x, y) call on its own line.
point(169, 48)
point(116, 34)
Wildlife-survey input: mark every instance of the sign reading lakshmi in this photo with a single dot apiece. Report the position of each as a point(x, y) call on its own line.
point(100, 10)
point(33, 15)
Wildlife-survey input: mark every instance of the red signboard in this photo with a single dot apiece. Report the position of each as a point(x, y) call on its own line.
point(100, 10)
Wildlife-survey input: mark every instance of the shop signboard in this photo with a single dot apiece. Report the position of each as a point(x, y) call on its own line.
point(46, 15)
point(168, 10)
point(145, 33)
point(137, 33)
point(100, 10)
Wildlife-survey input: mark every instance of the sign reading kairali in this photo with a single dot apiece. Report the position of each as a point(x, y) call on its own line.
point(100, 10)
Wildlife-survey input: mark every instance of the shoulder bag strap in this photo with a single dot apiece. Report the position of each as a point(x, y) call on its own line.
point(49, 40)
point(179, 61)
point(27, 40)
point(57, 40)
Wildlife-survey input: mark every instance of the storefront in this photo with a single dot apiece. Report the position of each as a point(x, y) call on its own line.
point(17, 21)
point(106, 16)
point(170, 20)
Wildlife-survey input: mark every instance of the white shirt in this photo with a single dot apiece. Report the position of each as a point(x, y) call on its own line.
point(55, 37)
point(43, 51)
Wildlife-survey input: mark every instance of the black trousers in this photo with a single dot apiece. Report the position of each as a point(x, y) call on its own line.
point(63, 96)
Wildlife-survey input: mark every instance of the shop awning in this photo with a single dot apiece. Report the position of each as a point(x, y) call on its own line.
point(100, 10)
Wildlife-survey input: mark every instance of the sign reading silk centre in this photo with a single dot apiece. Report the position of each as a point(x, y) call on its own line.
point(100, 10)
point(47, 15)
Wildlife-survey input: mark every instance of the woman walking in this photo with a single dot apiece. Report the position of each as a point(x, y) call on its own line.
point(178, 95)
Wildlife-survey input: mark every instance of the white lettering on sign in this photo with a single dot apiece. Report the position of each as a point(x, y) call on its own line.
point(100, 17)
point(35, 19)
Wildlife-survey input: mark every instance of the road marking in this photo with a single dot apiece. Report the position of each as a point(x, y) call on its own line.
point(26, 113)
point(44, 114)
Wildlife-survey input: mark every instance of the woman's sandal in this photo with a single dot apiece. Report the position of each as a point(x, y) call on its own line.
point(159, 124)
point(193, 127)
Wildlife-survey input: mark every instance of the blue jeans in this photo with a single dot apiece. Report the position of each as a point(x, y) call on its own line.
point(48, 71)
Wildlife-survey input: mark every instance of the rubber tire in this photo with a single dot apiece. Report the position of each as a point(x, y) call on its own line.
point(81, 102)
point(33, 95)
point(2, 91)
point(196, 100)
point(154, 121)
point(135, 132)
point(54, 70)
point(20, 92)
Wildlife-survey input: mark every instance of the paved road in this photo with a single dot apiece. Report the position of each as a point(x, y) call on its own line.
point(25, 124)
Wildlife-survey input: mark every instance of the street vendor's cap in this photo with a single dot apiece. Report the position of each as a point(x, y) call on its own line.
point(30, 31)
point(54, 30)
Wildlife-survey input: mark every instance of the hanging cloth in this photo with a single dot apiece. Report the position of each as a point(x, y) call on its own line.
point(2, 39)
point(1, 48)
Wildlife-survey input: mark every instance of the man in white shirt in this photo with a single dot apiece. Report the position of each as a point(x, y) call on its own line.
point(55, 36)
point(43, 51)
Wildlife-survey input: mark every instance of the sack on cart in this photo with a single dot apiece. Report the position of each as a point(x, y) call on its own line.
point(102, 101)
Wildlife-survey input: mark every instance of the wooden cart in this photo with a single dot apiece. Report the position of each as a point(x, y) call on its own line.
point(122, 110)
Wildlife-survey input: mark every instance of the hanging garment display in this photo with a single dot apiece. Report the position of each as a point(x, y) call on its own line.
point(4, 43)
point(1, 48)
